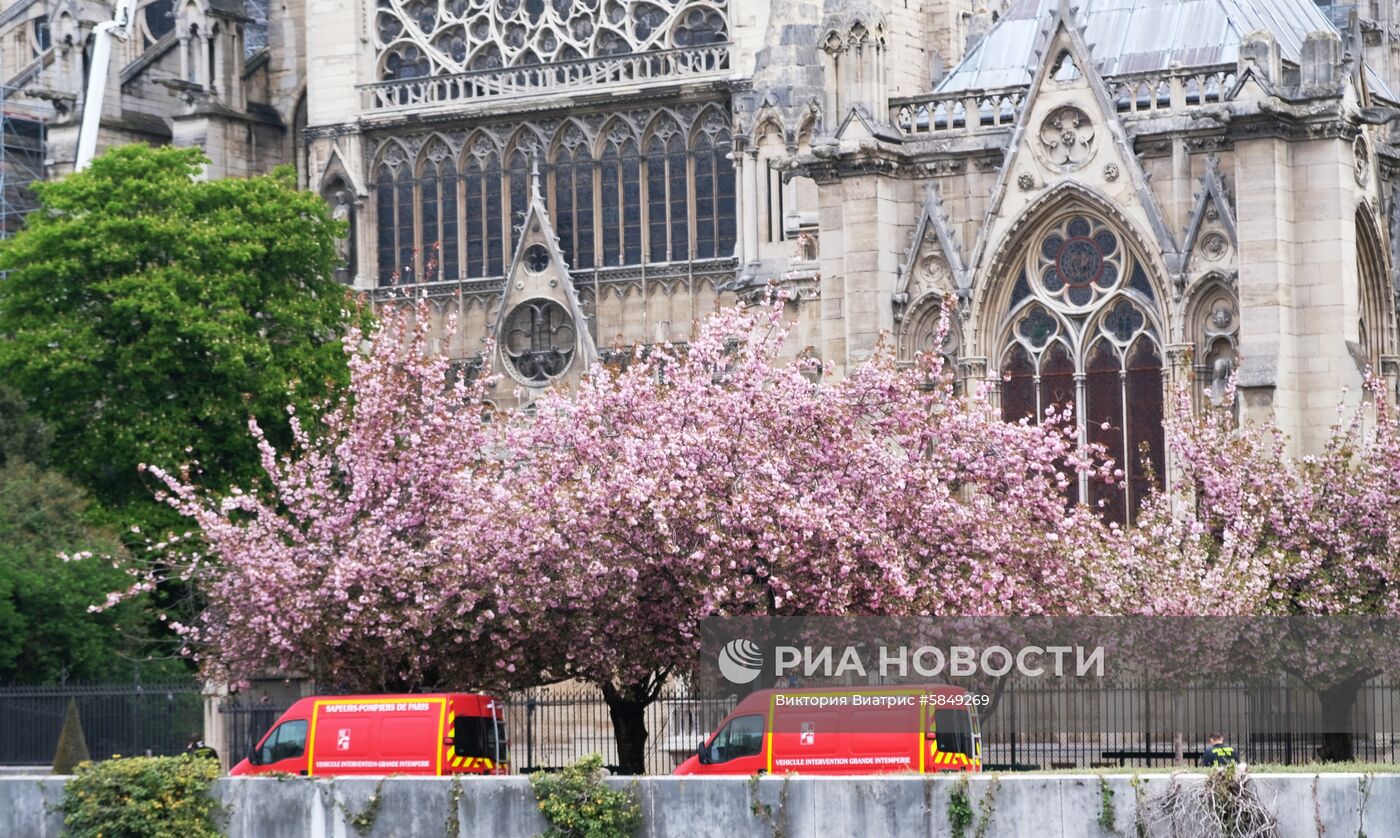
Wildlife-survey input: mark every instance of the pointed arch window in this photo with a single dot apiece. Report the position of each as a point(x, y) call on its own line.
point(714, 194)
point(394, 209)
point(519, 193)
point(1375, 326)
point(679, 188)
point(620, 200)
point(573, 201)
point(484, 250)
point(668, 195)
point(1080, 333)
point(437, 243)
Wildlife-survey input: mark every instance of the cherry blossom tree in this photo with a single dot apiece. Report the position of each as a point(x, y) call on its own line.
point(334, 564)
point(1250, 531)
point(713, 479)
point(403, 542)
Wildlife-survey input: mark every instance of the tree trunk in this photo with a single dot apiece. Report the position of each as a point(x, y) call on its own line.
point(1338, 703)
point(628, 709)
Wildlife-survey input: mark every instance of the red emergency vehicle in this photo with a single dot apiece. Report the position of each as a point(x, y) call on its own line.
point(456, 733)
point(845, 730)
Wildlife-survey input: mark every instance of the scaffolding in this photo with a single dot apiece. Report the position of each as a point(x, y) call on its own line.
point(21, 160)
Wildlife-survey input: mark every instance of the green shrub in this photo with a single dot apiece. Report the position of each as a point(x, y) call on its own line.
point(577, 804)
point(142, 797)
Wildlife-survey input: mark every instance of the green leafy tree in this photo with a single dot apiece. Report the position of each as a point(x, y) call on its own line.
point(53, 566)
point(23, 437)
point(148, 315)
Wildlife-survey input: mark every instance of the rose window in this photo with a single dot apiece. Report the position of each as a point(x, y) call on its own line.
point(1080, 263)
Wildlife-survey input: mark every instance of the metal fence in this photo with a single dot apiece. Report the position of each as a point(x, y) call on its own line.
point(554, 726)
point(1038, 725)
point(1077, 725)
point(127, 719)
point(1072, 725)
point(244, 723)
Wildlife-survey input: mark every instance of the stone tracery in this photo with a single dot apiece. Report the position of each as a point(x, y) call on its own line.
point(1081, 331)
point(418, 38)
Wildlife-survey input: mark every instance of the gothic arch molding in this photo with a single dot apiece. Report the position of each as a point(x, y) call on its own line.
point(1376, 322)
point(993, 287)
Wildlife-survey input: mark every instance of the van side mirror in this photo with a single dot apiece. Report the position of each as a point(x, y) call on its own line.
point(254, 758)
point(702, 753)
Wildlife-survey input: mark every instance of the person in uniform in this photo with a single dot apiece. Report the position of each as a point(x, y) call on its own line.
point(197, 748)
point(1217, 753)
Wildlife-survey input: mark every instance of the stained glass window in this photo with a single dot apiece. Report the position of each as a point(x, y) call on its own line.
point(1079, 338)
point(612, 200)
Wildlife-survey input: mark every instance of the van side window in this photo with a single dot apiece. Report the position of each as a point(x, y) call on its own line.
point(478, 736)
point(954, 730)
point(742, 737)
point(286, 742)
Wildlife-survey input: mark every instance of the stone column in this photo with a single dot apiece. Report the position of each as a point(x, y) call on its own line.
point(749, 233)
point(216, 51)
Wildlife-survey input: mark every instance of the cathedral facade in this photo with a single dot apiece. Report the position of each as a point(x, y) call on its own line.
point(1118, 196)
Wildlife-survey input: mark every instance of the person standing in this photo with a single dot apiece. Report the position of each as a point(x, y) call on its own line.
point(1217, 753)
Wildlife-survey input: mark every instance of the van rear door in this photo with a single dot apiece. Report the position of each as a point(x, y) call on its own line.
point(479, 744)
point(952, 739)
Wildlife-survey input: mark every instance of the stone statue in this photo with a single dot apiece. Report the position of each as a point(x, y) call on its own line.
point(343, 209)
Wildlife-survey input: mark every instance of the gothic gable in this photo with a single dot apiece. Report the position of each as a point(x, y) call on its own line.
point(1210, 238)
point(541, 330)
point(1068, 135)
point(934, 265)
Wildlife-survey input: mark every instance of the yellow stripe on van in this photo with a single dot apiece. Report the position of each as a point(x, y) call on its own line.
point(437, 746)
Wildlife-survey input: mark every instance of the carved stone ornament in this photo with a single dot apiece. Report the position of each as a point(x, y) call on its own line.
point(1222, 318)
point(1111, 172)
point(934, 273)
point(1067, 138)
point(1362, 152)
point(1214, 246)
point(395, 156)
point(1026, 182)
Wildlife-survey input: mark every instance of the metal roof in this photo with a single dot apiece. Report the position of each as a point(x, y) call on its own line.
point(1137, 36)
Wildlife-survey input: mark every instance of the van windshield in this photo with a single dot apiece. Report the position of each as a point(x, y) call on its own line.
point(954, 730)
point(478, 736)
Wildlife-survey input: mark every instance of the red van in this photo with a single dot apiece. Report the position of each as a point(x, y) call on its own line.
point(457, 733)
point(845, 730)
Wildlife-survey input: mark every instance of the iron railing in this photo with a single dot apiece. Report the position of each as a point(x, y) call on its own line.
point(244, 723)
point(1032, 725)
point(126, 719)
point(1072, 725)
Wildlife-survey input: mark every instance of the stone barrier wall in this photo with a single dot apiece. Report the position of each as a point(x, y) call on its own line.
point(1043, 806)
